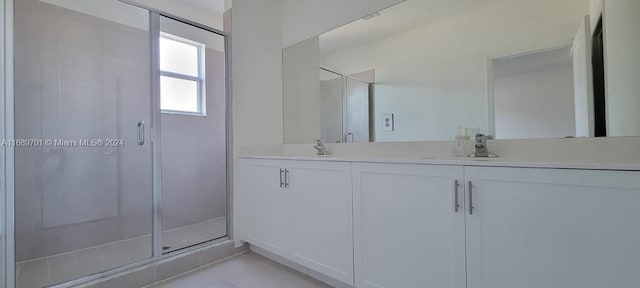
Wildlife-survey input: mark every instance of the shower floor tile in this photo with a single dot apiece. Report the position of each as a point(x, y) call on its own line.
point(186, 236)
point(61, 268)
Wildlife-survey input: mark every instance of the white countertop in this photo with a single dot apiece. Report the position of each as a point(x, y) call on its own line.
point(449, 160)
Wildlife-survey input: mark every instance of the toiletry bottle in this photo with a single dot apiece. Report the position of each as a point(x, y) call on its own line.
point(458, 149)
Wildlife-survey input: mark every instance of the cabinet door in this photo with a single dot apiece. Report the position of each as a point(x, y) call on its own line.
point(537, 228)
point(407, 231)
point(322, 217)
point(266, 208)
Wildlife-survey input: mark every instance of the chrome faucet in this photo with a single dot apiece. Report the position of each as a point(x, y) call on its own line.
point(322, 150)
point(481, 147)
point(346, 137)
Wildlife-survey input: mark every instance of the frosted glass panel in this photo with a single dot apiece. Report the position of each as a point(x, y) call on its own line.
point(82, 71)
point(179, 94)
point(178, 57)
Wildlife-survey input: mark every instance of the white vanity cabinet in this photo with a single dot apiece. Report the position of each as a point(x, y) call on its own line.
point(266, 205)
point(303, 214)
point(390, 225)
point(407, 231)
point(322, 229)
point(552, 228)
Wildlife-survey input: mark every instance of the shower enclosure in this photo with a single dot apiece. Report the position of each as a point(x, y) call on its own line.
point(347, 105)
point(117, 139)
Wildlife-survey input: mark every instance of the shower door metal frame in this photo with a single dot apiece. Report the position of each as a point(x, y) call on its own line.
point(7, 192)
point(7, 165)
point(156, 134)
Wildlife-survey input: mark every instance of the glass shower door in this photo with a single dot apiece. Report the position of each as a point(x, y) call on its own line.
point(83, 159)
point(194, 134)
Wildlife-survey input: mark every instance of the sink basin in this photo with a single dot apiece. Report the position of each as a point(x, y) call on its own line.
point(325, 156)
point(438, 157)
point(483, 158)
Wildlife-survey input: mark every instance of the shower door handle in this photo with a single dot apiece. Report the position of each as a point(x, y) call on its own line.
point(140, 133)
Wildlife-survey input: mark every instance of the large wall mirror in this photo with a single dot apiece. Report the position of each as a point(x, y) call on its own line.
point(427, 70)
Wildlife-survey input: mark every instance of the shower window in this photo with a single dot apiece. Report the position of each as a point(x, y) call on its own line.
point(182, 75)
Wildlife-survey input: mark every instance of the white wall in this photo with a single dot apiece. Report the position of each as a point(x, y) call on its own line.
point(434, 77)
point(306, 18)
point(302, 100)
point(257, 72)
point(536, 104)
point(595, 10)
point(622, 43)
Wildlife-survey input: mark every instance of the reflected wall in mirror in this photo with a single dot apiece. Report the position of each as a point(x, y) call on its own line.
point(515, 69)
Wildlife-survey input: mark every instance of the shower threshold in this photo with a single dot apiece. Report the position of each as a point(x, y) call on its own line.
point(56, 269)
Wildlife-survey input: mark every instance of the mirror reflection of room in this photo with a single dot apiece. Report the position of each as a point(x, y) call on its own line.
point(433, 69)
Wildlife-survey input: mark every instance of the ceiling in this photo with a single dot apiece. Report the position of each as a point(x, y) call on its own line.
point(401, 17)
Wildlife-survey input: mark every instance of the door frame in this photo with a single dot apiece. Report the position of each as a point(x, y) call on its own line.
point(7, 163)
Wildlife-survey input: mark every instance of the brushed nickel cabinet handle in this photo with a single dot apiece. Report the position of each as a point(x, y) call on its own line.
point(286, 178)
point(281, 178)
point(140, 133)
point(456, 203)
point(470, 198)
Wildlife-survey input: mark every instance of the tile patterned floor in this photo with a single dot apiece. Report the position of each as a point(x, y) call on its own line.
point(248, 270)
point(61, 268)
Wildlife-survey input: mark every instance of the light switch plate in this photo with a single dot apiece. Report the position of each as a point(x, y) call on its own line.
point(387, 122)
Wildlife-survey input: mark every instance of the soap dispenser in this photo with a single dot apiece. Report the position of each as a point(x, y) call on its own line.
point(458, 149)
